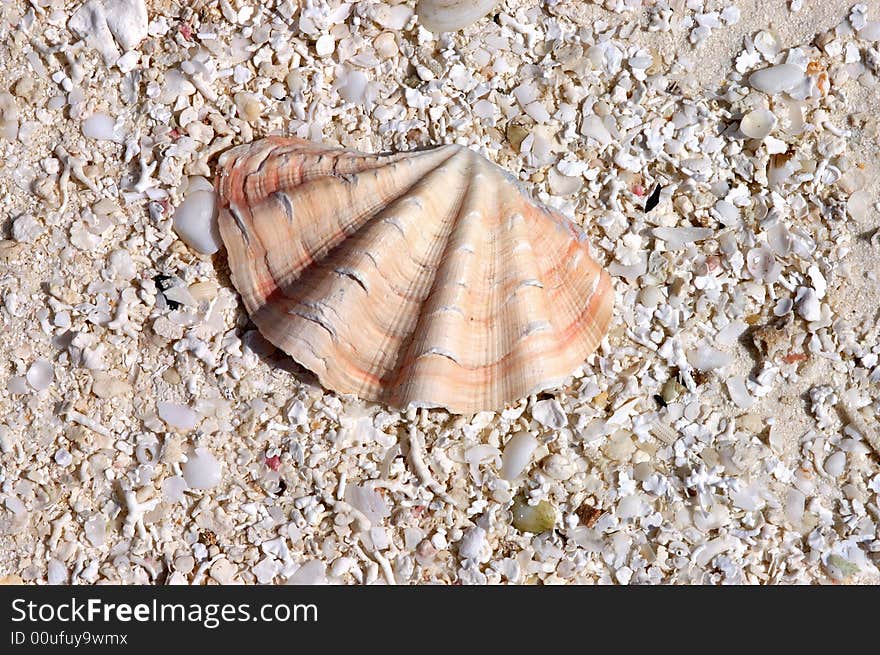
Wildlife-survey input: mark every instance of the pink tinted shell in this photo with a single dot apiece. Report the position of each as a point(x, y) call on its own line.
point(425, 277)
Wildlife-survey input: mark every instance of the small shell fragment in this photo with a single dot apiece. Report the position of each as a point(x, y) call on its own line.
point(762, 264)
point(757, 123)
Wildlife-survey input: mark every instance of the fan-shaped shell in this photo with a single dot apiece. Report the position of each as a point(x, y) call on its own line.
point(425, 277)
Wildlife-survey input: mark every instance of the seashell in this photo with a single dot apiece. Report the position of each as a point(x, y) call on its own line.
point(757, 124)
point(762, 264)
point(426, 277)
point(452, 15)
point(767, 43)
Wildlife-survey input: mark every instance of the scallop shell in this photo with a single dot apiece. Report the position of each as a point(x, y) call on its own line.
point(425, 277)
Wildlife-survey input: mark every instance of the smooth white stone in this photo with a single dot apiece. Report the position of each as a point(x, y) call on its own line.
point(676, 237)
point(202, 470)
point(368, 502)
point(516, 454)
point(706, 358)
point(195, 221)
point(177, 416)
point(776, 79)
point(40, 374)
point(835, 464)
point(102, 127)
point(452, 15)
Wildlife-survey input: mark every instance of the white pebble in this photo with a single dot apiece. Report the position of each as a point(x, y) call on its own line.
point(266, 570)
point(101, 127)
point(871, 31)
point(325, 45)
point(705, 358)
point(739, 392)
point(40, 374)
point(368, 502)
point(818, 280)
point(392, 17)
point(858, 205)
point(63, 457)
point(629, 507)
point(776, 79)
point(835, 464)
point(57, 572)
point(563, 185)
point(353, 87)
point(808, 304)
point(96, 530)
point(592, 126)
point(310, 572)
point(202, 470)
point(794, 506)
point(195, 221)
point(678, 237)
point(452, 15)
point(173, 488)
point(177, 416)
point(517, 454)
point(127, 20)
point(728, 213)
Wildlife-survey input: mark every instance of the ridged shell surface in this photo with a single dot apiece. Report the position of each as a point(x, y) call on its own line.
point(425, 277)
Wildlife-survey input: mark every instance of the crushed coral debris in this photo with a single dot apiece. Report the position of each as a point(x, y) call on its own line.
point(719, 160)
